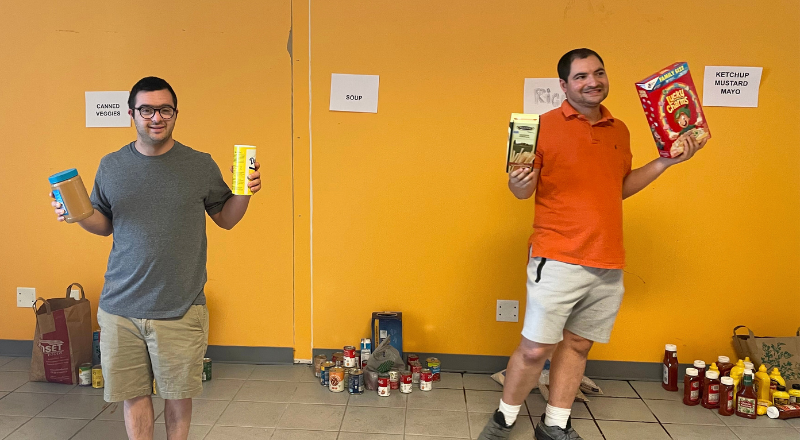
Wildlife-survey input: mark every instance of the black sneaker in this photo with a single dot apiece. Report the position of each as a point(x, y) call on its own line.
point(544, 432)
point(496, 428)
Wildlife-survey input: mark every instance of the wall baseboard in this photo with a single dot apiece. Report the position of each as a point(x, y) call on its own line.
point(464, 363)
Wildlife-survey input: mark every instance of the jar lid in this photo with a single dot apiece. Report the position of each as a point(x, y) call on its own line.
point(781, 388)
point(727, 380)
point(691, 371)
point(62, 176)
point(796, 386)
point(671, 347)
point(711, 374)
point(700, 364)
point(724, 359)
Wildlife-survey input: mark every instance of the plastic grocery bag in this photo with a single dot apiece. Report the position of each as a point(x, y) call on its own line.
point(384, 358)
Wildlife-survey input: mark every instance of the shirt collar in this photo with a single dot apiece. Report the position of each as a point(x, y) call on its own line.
point(569, 112)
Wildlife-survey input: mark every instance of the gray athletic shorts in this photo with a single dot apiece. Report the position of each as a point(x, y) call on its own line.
point(584, 300)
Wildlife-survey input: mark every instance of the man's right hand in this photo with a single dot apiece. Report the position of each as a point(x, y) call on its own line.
point(58, 208)
point(522, 182)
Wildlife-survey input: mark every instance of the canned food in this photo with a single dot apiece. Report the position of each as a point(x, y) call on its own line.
point(366, 344)
point(405, 382)
point(206, 369)
point(338, 356)
point(324, 373)
point(318, 361)
point(394, 379)
point(416, 369)
point(349, 356)
point(355, 384)
point(97, 377)
point(412, 358)
point(383, 385)
point(365, 354)
point(85, 375)
point(358, 359)
point(425, 380)
point(336, 380)
point(244, 163)
point(435, 367)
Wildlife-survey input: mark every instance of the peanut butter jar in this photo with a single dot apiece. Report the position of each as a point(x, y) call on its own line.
point(68, 190)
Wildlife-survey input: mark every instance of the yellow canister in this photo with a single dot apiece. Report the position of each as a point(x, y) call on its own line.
point(97, 377)
point(244, 163)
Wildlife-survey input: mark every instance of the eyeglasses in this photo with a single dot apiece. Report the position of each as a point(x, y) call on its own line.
point(166, 112)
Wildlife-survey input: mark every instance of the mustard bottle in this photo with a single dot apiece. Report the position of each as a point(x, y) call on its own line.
point(736, 374)
point(762, 384)
point(794, 394)
point(775, 380)
point(780, 396)
point(713, 367)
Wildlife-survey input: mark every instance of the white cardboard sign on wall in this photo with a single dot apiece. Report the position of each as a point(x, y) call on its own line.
point(354, 93)
point(542, 95)
point(731, 86)
point(107, 109)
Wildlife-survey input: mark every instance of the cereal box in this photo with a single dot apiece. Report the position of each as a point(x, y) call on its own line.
point(523, 132)
point(673, 110)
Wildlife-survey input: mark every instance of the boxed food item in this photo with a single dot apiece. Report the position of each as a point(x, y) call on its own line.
point(672, 108)
point(523, 131)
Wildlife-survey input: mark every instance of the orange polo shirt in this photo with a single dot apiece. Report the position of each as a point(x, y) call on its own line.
point(578, 217)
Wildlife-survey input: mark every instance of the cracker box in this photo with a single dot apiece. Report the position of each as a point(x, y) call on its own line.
point(523, 132)
point(673, 110)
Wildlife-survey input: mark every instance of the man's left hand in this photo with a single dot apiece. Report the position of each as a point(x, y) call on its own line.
point(690, 147)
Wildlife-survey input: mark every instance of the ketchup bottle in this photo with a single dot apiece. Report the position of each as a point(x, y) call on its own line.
point(724, 364)
point(726, 396)
point(691, 387)
point(746, 399)
point(670, 379)
point(711, 394)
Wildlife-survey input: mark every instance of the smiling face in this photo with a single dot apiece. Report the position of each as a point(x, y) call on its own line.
point(587, 83)
point(154, 130)
point(683, 120)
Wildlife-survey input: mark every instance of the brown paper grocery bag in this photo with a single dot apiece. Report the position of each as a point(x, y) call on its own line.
point(63, 338)
point(781, 353)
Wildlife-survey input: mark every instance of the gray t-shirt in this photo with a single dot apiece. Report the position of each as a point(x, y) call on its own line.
point(157, 205)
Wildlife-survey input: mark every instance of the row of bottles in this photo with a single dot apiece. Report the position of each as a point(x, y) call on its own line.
point(732, 388)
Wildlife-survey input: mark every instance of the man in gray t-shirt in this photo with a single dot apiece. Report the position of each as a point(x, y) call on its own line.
point(153, 195)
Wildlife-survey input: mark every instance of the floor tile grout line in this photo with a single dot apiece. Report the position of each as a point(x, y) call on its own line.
point(649, 409)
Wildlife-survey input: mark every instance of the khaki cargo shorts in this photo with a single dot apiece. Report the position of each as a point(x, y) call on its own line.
point(134, 351)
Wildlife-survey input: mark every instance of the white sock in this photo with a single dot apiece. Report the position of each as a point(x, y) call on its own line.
point(554, 416)
point(510, 412)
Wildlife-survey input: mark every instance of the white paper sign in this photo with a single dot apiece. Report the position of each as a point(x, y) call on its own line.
point(731, 86)
point(542, 95)
point(354, 93)
point(107, 109)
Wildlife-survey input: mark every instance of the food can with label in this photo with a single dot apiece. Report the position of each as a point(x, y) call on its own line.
point(324, 373)
point(355, 384)
point(244, 164)
point(425, 380)
point(318, 361)
point(336, 380)
point(411, 359)
point(366, 344)
point(206, 369)
point(405, 382)
point(97, 377)
point(383, 385)
point(416, 369)
point(435, 367)
point(349, 356)
point(85, 375)
point(394, 379)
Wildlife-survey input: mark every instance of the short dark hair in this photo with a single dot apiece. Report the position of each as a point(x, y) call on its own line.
point(565, 63)
point(150, 84)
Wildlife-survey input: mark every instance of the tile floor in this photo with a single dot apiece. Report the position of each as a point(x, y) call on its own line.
point(286, 402)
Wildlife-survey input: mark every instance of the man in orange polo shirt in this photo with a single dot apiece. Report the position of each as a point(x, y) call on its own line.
point(581, 174)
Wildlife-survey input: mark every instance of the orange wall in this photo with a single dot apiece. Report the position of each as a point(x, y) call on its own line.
point(229, 66)
point(411, 208)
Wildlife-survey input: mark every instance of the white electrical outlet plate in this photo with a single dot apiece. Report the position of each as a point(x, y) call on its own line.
point(75, 294)
point(25, 296)
point(507, 310)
